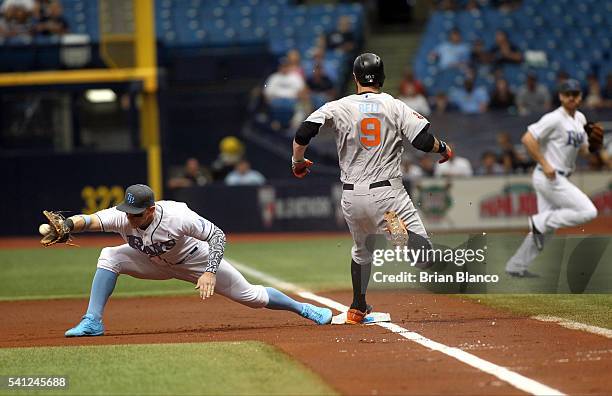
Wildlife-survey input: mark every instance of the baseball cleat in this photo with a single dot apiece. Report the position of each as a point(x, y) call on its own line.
point(319, 315)
point(355, 316)
point(86, 328)
point(538, 237)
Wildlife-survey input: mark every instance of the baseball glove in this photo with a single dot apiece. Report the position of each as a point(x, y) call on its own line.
point(595, 132)
point(397, 228)
point(60, 232)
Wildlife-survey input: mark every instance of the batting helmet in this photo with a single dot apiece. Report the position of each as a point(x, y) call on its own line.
point(369, 70)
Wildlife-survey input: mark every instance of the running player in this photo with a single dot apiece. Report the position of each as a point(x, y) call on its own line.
point(554, 142)
point(369, 128)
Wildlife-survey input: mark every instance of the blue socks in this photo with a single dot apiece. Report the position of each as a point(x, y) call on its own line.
point(101, 288)
point(279, 300)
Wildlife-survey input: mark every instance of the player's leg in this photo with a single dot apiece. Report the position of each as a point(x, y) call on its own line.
point(396, 198)
point(112, 262)
point(233, 285)
point(354, 208)
point(571, 206)
point(528, 250)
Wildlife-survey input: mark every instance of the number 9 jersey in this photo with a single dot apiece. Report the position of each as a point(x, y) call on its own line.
point(369, 129)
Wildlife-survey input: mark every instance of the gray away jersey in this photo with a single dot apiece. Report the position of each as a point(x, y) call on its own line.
point(369, 129)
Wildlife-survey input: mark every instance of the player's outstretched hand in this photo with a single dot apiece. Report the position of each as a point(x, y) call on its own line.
point(301, 168)
point(446, 155)
point(206, 284)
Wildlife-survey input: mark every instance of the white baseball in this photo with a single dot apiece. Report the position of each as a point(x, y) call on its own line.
point(44, 229)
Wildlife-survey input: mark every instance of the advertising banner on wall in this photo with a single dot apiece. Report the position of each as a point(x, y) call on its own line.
point(500, 202)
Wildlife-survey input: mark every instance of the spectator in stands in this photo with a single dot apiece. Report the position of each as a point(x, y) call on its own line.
point(17, 21)
point(294, 60)
point(452, 53)
point(243, 175)
point(504, 51)
point(489, 165)
point(343, 38)
point(532, 98)
point(415, 100)
point(408, 80)
point(479, 55)
point(440, 102)
point(456, 167)
point(192, 175)
point(502, 97)
point(593, 98)
point(469, 99)
point(472, 5)
point(511, 159)
point(231, 151)
point(10, 7)
point(321, 87)
point(283, 84)
point(51, 20)
point(282, 92)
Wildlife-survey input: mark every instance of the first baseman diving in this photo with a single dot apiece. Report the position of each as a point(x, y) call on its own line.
point(370, 128)
point(554, 143)
point(166, 240)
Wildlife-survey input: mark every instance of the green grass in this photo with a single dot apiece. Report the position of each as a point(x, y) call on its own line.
point(593, 309)
point(323, 264)
point(232, 368)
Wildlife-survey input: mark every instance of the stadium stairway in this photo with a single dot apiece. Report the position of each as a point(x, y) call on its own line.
point(397, 50)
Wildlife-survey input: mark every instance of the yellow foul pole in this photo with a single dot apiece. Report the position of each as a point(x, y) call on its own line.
point(146, 60)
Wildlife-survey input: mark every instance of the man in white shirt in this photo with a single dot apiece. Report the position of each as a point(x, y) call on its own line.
point(456, 167)
point(167, 240)
point(554, 142)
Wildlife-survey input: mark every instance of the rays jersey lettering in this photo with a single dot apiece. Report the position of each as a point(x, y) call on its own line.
point(575, 139)
point(172, 237)
point(560, 137)
point(369, 130)
point(155, 249)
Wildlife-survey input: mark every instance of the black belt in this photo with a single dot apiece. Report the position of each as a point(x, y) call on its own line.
point(384, 183)
point(562, 173)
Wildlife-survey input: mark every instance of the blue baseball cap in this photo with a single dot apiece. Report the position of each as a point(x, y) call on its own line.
point(570, 85)
point(138, 198)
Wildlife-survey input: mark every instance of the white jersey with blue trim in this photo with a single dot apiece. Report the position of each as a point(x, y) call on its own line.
point(369, 129)
point(560, 137)
point(174, 236)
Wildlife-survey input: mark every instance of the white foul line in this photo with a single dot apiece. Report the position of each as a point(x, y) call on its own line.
point(570, 324)
point(518, 381)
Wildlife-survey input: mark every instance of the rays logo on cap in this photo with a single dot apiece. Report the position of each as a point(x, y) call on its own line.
point(129, 198)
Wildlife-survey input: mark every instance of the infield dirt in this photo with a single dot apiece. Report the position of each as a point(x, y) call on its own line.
point(352, 359)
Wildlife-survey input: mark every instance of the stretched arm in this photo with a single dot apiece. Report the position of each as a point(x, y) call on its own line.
point(533, 148)
point(83, 223)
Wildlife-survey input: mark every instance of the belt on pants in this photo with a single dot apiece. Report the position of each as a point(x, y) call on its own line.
point(562, 173)
point(383, 183)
